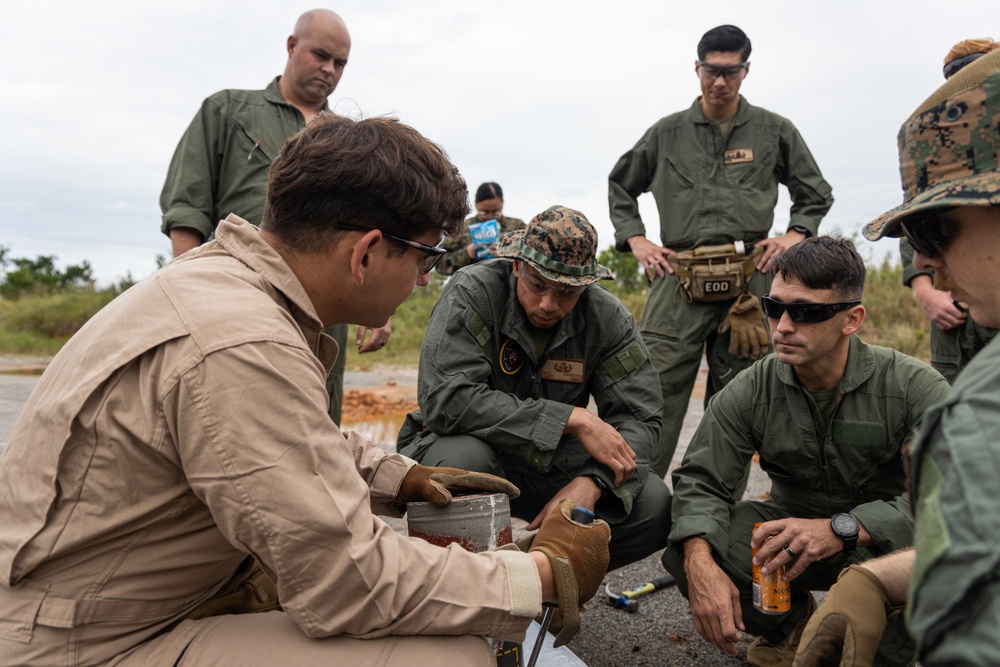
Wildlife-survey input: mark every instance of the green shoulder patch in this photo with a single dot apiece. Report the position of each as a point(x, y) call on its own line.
point(478, 329)
point(626, 361)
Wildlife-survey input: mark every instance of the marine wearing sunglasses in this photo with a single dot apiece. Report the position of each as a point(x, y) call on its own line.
point(928, 233)
point(803, 312)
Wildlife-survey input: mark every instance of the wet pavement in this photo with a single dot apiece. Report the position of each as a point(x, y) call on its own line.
point(659, 633)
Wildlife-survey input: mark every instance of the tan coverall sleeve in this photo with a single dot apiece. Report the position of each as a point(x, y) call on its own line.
point(282, 482)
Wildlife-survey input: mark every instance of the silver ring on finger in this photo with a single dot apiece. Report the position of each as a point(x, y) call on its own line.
point(791, 554)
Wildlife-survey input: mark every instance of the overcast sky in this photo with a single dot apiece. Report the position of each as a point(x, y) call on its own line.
point(542, 97)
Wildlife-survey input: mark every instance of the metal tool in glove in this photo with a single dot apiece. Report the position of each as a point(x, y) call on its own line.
point(580, 515)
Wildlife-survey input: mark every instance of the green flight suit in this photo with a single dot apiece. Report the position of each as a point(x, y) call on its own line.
point(951, 349)
point(490, 402)
point(709, 189)
point(220, 167)
point(852, 464)
point(458, 255)
point(954, 600)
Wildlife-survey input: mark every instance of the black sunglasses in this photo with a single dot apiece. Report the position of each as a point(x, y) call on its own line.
point(432, 254)
point(927, 233)
point(803, 313)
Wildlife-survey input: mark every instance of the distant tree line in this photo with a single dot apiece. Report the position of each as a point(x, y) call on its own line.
point(629, 279)
point(20, 276)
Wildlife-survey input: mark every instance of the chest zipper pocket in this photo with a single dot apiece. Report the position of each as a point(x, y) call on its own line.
point(254, 144)
point(678, 173)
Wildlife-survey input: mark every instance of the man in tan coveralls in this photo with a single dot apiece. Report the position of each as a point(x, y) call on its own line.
point(185, 428)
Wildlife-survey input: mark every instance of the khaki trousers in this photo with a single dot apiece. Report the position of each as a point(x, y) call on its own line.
point(271, 639)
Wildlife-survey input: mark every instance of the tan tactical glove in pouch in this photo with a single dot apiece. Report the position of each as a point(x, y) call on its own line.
point(435, 485)
point(579, 557)
point(847, 628)
point(749, 338)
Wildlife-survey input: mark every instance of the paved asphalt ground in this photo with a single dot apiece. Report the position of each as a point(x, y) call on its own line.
point(659, 634)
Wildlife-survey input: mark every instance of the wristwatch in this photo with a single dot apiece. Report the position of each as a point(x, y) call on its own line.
point(801, 230)
point(846, 527)
point(601, 484)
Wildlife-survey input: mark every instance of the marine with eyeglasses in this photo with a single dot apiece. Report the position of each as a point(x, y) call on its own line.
point(514, 352)
point(828, 415)
point(714, 171)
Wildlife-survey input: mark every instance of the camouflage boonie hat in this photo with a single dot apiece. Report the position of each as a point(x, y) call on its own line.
point(560, 244)
point(949, 148)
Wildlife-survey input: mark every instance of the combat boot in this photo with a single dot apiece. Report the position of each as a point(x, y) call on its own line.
point(762, 653)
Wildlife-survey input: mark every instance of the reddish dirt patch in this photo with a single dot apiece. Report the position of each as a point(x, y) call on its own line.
point(364, 404)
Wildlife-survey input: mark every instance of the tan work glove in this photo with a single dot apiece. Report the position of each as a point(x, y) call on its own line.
point(435, 485)
point(749, 338)
point(579, 557)
point(847, 628)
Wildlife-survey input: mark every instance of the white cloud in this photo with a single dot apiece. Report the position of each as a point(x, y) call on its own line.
point(540, 96)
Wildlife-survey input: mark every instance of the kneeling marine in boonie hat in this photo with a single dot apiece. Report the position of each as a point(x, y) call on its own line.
point(560, 244)
point(949, 148)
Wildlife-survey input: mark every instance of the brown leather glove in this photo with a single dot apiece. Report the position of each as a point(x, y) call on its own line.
point(435, 485)
point(749, 338)
point(579, 558)
point(847, 628)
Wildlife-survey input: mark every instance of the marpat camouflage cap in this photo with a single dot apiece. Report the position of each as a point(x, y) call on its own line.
point(949, 148)
point(560, 244)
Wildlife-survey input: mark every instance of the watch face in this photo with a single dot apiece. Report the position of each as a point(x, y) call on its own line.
point(845, 524)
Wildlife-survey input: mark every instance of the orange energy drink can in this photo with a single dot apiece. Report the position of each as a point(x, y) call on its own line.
point(771, 595)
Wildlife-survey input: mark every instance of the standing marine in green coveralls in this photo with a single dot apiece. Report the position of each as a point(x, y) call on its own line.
point(714, 171)
point(949, 158)
point(221, 164)
point(513, 353)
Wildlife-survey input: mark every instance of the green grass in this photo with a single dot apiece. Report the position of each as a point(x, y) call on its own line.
point(39, 325)
point(894, 317)
point(409, 323)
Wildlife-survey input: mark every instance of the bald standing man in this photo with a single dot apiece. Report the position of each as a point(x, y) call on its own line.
point(222, 161)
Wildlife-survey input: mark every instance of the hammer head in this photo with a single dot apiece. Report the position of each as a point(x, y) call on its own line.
point(622, 602)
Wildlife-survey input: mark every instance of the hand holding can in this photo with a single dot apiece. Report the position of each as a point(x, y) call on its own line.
point(771, 595)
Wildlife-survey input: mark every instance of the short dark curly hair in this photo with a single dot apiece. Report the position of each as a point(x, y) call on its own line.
point(725, 38)
point(375, 172)
point(824, 262)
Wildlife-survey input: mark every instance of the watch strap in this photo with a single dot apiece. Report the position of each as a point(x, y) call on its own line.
point(850, 540)
point(601, 484)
